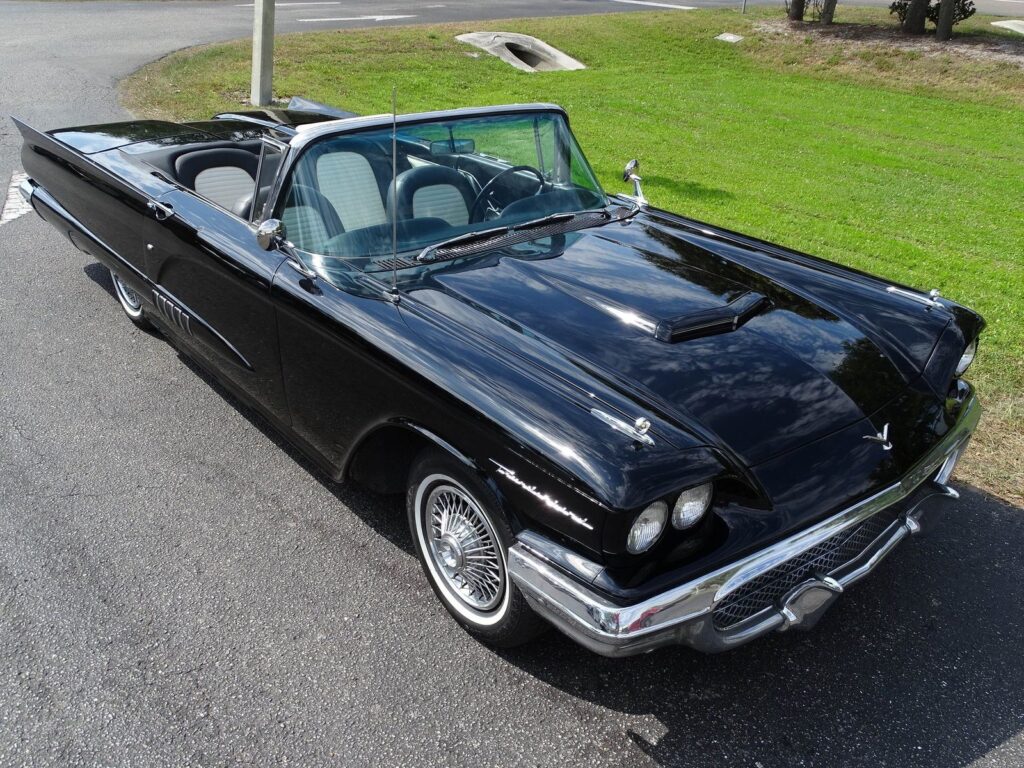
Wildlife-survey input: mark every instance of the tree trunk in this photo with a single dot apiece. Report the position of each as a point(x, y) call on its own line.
point(944, 26)
point(828, 10)
point(916, 15)
point(796, 10)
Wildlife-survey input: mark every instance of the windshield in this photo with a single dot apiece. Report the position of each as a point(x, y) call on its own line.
point(454, 177)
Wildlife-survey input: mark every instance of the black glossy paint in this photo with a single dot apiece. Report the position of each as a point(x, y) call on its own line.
point(502, 356)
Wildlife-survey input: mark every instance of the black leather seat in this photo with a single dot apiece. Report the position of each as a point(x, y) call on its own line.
point(432, 191)
point(221, 175)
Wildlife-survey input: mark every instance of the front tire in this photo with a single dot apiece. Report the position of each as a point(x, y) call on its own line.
point(130, 303)
point(462, 543)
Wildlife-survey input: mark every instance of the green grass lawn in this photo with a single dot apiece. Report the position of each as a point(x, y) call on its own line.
point(902, 164)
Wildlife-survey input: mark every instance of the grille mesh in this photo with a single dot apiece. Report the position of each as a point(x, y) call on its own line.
point(820, 560)
point(386, 265)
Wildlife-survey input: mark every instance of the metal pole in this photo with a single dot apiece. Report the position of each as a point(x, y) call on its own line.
point(744, 10)
point(261, 91)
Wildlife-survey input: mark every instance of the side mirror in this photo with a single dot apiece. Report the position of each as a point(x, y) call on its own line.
point(268, 233)
point(629, 173)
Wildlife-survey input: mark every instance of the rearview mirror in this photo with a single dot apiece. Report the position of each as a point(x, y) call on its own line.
point(453, 147)
point(268, 233)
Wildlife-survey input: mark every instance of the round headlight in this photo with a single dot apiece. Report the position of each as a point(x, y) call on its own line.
point(691, 506)
point(967, 358)
point(647, 528)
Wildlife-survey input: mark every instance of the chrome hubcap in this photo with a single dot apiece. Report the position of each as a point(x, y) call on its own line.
point(464, 548)
point(128, 296)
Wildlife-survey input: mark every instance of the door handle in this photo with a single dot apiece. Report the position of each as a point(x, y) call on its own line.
point(160, 211)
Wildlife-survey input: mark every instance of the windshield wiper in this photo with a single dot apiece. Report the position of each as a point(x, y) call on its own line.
point(551, 218)
point(427, 253)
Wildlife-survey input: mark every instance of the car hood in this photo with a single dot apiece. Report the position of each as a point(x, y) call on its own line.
point(794, 368)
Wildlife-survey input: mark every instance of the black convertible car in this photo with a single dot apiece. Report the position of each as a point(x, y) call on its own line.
point(638, 427)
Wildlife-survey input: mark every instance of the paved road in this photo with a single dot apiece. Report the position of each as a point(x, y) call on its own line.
point(178, 588)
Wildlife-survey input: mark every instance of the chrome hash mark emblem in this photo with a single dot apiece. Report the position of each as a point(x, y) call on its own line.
point(881, 438)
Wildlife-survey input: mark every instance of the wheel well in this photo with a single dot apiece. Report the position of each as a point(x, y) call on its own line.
point(381, 462)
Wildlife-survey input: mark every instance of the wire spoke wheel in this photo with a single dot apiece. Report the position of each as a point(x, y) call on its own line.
point(464, 548)
point(462, 535)
point(129, 298)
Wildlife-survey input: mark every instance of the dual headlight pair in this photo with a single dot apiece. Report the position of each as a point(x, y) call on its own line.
point(688, 510)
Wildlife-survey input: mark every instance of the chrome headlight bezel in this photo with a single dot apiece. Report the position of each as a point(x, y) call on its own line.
point(691, 506)
point(967, 358)
point(647, 528)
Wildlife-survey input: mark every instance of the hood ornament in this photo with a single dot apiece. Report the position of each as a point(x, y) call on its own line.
point(882, 438)
point(637, 430)
point(931, 300)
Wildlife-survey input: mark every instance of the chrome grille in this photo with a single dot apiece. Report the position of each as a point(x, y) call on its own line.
point(820, 560)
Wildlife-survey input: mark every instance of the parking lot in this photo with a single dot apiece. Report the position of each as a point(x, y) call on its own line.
point(179, 587)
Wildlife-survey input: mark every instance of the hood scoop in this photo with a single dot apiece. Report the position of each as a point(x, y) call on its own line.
point(708, 322)
point(692, 325)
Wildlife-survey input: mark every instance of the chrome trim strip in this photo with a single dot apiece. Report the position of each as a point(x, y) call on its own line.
point(159, 292)
point(682, 614)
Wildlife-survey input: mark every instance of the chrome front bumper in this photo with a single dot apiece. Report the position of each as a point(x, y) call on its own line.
point(686, 614)
point(26, 188)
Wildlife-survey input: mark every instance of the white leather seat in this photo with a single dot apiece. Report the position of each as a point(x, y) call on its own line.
point(347, 180)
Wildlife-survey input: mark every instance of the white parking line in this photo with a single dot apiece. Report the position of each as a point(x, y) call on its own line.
point(14, 206)
point(675, 7)
point(361, 18)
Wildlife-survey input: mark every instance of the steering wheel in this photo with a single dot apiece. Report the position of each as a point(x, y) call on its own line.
point(486, 189)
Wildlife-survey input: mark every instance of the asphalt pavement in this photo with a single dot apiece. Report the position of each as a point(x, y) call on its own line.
point(178, 587)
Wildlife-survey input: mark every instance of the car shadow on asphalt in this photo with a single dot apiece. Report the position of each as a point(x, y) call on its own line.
point(384, 513)
point(100, 275)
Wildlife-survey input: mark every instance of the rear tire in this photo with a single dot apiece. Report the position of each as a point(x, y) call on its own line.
point(130, 303)
point(462, 541)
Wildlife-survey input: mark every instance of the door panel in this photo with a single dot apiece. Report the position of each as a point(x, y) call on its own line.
point(338, 384)
point(213, 290)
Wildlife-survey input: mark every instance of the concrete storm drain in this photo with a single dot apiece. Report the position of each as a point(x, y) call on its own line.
point(521, 51)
